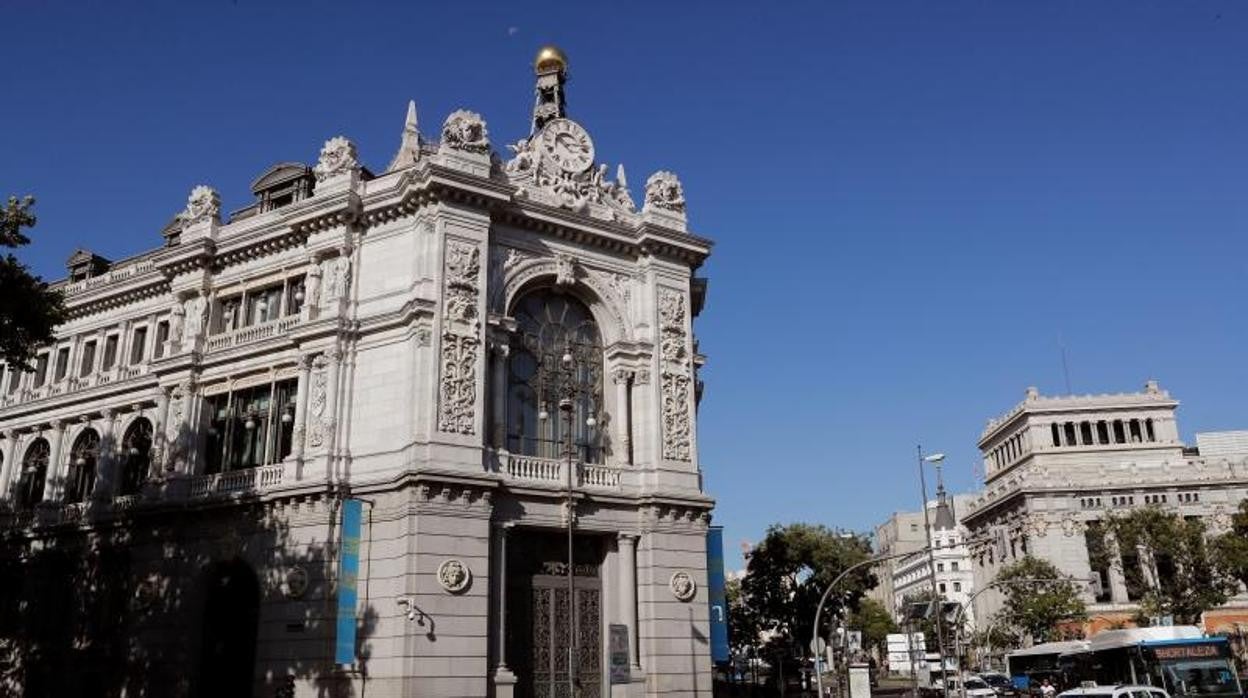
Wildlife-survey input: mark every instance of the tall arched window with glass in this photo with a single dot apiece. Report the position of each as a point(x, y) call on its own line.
point(34, 473)
point(554, 378)
point(82, 460)
point(136, 454)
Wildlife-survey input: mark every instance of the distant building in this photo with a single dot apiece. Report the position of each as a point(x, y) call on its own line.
point(1057, 466)
point(910, 576)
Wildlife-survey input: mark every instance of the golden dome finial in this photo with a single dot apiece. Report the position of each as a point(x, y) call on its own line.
point(550, 59)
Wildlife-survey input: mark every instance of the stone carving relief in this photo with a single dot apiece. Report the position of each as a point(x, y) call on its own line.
point(465, 130)
point(675, 377)
point(296, 583)
point(664, 191)
point(454, 576)
point(460, 339)
point(554, 181)
point(194, 311)
point(338, 157)
point(683, 587)
point(202, 205)
point(335, 279)
point(565, 269)
point(317, 401)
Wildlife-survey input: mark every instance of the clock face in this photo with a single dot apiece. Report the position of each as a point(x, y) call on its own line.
point(565, 144)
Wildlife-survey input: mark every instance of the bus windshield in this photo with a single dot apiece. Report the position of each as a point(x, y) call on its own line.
point(1199, 676)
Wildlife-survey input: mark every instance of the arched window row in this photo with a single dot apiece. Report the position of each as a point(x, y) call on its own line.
point(80, 466)
point(1102, 432)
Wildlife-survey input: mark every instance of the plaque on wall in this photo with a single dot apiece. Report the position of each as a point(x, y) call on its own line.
point(617, 646)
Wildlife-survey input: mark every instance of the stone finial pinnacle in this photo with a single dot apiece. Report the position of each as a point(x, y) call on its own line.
point(409, 147)
point(409, 126)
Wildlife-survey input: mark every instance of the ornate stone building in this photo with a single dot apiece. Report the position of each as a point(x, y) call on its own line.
point(1057, 466)
point(467, 343)
point(911, 576)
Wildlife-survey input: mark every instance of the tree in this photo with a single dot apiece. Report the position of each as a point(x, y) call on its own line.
point(1230, 549)
point(875, 622)
point(743, 622)
point(29, 310)
point(790, 569)
point(1038, 609)
point(1180, 577)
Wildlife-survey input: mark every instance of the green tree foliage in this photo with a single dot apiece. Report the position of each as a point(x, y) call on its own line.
point(743, 622)
point(875, 622)
point(29, 310)
point(1038, 608)
point(1180, 577)
point(1230, 550)
point(787, 573)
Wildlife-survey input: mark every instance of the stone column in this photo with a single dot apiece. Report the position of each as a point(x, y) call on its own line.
point(106, 459)
point(301, 402)
point(10, 464)
point(1117, 580)
point(53, 476)
point(500, 354)
point(623, 379)
point(331, 408)
point(628, 596)
point(504, 679)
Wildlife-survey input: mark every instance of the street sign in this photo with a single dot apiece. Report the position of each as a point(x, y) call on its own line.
point(348, 581)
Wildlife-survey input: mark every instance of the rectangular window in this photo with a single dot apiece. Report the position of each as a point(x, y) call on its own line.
point(226, 318)
point(264, 305)
point(110, 353)
point(957, 586)
point(138, 347)
point(162, 336)
point(62, 363)
point(250, 427)
point(953, 566)
point(88, 359)
point(940, 567)
point(294, 299)
point(41, 370)
point(942, 587)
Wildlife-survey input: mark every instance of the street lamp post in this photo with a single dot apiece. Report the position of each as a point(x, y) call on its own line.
point(561, 380)
point(931, 565)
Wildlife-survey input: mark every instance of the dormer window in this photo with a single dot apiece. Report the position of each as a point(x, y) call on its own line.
point(84, 264)
point(282, 185)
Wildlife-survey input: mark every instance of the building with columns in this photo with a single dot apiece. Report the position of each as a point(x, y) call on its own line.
point(1057, 466)
point(489, 347)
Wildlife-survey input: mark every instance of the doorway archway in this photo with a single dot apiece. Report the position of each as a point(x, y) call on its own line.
point(230, 621)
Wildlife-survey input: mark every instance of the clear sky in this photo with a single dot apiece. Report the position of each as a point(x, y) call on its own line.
point(913, 201)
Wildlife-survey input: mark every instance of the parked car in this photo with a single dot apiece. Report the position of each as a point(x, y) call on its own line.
point(1000, 683)
point(975, 688)
point(1115, 692)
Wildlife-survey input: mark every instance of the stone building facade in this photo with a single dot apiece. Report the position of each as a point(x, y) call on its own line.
point(484, 346)
point(1056, 466)
point(955, 579)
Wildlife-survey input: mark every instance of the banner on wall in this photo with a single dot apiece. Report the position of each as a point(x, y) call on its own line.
point(719, 602)
point(348, 581)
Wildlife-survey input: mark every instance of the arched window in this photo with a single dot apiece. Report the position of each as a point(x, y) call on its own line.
point(34, 472)
point(554, 378)
point(136, 456)
point(82, 460)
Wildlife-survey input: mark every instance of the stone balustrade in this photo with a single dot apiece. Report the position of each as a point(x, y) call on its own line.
point(237, 481)
point(113, 275)
point(551, 471)
point(252, 333)
point(73, 384)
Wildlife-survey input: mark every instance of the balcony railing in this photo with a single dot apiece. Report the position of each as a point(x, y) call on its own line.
point(74, 384)
point(253, 333)
point(551, 471)
point(237, 481)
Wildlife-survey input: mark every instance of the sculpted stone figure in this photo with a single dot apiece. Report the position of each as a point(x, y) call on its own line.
point(663, 191)
point(523, 160)
point(338, 157)
point(453, 575)
point(195, 309)
point(203, 204)
point(465, 130)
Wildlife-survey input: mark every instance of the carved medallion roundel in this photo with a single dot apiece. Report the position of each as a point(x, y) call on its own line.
point(683, 587)
point(566, 145)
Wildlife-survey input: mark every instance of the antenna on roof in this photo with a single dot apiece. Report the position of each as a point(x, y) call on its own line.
point(1065, 367)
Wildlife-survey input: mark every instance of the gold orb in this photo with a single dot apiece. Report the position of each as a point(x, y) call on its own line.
point(550, 59)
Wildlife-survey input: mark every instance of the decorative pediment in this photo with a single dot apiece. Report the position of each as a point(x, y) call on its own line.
point(283, 173)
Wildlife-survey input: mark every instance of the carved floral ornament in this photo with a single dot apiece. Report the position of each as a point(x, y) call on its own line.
point(454, 576)
point(204, 204)
point(683, 587)
point(338, 157)
point(465, 130)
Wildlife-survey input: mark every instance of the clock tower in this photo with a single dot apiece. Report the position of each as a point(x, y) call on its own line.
point(551, 66)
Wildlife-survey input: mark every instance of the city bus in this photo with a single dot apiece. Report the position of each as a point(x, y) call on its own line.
point(1179, 659)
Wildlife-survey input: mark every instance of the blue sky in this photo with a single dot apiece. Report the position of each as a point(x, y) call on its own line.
point(913, 201)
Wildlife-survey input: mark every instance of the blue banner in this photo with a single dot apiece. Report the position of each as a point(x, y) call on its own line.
point(719, 602)
point(348, 581)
